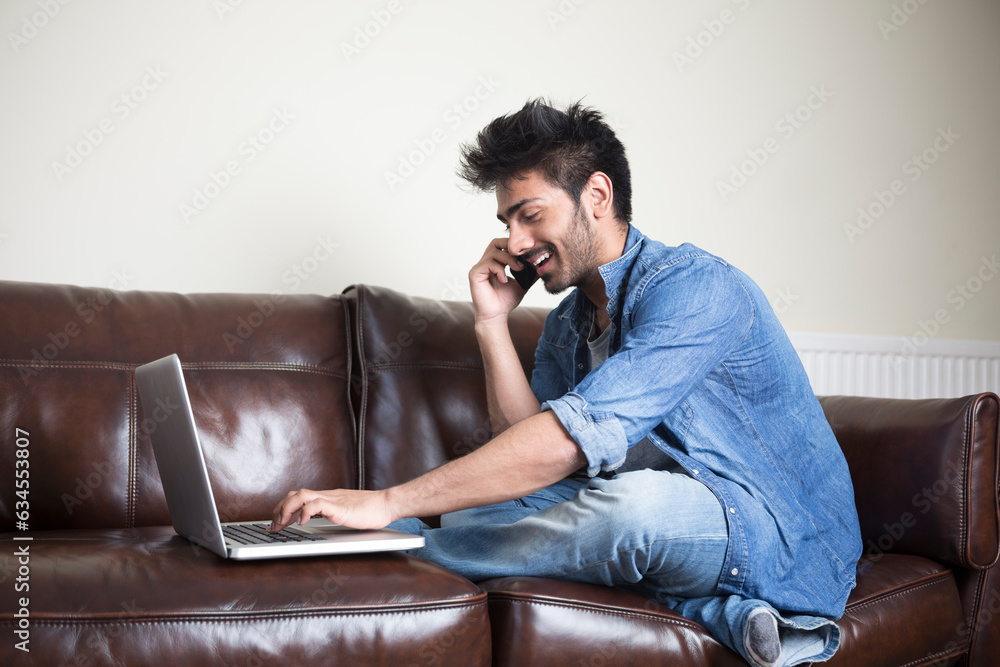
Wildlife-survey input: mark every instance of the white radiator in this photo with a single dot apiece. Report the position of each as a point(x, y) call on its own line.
point(888, 367)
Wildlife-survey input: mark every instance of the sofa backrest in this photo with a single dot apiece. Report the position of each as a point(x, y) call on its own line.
point(272, 378)
point(420, 395)
point(269, 384)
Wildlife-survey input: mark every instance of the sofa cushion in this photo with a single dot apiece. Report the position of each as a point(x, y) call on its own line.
point(904, 611)
point(134, 597)
point(542, 622)
point(420, 391)
point(269, 383)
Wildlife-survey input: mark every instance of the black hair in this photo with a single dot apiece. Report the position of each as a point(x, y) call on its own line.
point(566, 147)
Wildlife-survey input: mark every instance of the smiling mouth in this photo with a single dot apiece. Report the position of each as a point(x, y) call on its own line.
point(540, 261)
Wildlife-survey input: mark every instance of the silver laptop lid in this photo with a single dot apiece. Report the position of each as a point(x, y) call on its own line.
point(178, 452)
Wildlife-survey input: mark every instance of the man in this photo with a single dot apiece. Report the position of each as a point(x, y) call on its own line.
point(668, 442)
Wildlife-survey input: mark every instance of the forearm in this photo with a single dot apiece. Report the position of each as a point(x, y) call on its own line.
point(508, 393)
point(528, 456)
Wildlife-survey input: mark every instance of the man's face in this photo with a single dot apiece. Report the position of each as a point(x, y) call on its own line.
point(549, 230)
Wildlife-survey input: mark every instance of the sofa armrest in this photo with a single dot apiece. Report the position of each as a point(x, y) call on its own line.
point(925, 474)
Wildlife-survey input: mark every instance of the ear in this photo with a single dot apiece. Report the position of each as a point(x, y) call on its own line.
point(600, 194)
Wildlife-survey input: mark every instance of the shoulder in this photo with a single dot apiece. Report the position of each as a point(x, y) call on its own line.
point(682, 267)
point(686, 283)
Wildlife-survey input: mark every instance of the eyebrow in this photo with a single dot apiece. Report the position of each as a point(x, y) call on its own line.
point(513, 208)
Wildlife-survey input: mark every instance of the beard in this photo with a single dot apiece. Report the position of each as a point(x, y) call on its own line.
point(579, 258)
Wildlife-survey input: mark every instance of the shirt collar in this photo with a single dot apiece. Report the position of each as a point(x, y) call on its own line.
point(616, 272)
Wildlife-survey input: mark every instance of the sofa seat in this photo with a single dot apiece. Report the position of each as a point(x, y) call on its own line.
point(912, 600)
point(137, 596)
point(545, 622)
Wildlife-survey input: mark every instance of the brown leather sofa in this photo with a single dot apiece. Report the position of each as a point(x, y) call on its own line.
point(367, 389)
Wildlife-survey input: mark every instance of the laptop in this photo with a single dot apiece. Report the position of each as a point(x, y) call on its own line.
point(188, 491)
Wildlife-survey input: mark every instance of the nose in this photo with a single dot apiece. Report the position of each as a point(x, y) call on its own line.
point(519, 240)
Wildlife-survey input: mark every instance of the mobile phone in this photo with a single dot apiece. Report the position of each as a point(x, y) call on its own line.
point(525, 277)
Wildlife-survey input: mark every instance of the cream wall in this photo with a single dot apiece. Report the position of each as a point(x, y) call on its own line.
point(118, 115)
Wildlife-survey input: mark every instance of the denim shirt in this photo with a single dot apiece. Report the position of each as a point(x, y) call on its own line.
point(700, 364)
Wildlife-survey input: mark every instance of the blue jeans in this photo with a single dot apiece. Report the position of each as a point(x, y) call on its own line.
point(660, 534)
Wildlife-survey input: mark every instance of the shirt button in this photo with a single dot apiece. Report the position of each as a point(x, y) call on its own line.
point(734, 571)
point(732, 510)
point(694, 472)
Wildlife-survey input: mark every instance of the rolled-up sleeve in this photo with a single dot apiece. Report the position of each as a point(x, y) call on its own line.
point(599, 435)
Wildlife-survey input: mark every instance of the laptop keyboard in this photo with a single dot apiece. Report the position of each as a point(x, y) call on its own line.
point(257, 533)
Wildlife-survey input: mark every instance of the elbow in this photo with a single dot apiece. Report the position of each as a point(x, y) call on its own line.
point(566, 452)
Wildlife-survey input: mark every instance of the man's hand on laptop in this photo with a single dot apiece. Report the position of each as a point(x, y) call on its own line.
point(345, 507)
